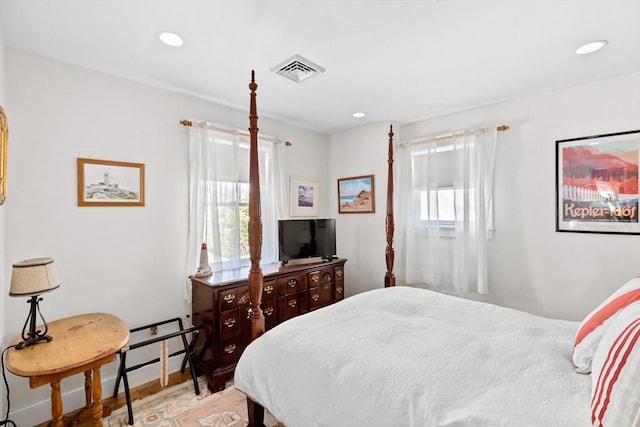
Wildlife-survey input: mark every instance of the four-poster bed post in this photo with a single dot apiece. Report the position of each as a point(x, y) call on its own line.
point(389, 277)
point(255, 222)
point(255, 410)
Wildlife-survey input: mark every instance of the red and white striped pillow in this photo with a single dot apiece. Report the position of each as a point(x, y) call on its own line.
point(594, 325)
point(615, 395)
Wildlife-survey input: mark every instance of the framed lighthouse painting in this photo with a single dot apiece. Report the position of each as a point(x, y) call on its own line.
point(110, 183)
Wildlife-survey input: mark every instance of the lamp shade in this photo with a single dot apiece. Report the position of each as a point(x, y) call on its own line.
point(33, 277)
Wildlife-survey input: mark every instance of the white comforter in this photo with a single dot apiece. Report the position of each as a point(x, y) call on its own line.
point(410, 357)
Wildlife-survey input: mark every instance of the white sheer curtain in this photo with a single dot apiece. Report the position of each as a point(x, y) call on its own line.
point(445, 215)
point(218, 197)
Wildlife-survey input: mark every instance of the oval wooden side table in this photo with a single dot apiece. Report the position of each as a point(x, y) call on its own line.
point(81, 344)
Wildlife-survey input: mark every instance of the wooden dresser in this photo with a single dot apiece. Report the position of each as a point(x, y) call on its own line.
point(221, 302)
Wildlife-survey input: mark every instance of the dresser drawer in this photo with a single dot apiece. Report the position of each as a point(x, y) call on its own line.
point(339, 290)
point(269, 289)
point(292, 284)
point(229, 322)
point(326, 275)
point(228, 299)
point(231, 349)
point(291, 305)
point(320, 296)
point(269, 310)
point(314, 279)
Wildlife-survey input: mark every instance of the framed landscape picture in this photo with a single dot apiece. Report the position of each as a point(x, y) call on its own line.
point(109, 183)
point(356, 195)
point(597, 184)
point(305, 196)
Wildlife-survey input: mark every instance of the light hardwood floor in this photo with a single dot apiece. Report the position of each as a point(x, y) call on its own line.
point(139, 392)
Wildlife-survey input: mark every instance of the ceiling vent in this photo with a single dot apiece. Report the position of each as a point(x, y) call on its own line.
point(297, 68)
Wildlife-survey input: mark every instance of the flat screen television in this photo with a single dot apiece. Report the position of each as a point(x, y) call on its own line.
point(306, 238)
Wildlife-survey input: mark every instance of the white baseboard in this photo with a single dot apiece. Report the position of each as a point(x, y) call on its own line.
point(40, 412)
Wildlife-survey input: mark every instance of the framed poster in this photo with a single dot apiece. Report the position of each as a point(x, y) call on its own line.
point(305, 196)
point(356, 195)
point(597, 184)
point(109, 183)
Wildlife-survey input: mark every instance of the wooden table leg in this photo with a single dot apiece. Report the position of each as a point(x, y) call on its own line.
point(88, 393)
point(56, 404)
point(97, 398)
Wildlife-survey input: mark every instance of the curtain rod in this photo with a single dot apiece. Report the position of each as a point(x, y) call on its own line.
point(445, 137)
point(189, 123)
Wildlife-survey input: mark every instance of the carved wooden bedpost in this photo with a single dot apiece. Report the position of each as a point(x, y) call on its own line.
point(255, 222)
point(389, 278)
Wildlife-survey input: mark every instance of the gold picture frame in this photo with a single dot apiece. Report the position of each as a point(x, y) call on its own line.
point(110, 183)
point(4, 155)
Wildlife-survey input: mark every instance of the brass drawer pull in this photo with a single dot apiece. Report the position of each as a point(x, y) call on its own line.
point(268, 289)
point(229, 298)
point(339, 289)
point(293, 303)
point(315, 277)
point(268, 311)
point(230, 322)
point(315, 297)
point(339, 272)
point(230, 348)
point(292, 283)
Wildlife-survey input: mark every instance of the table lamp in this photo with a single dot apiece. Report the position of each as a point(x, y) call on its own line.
point(31, 277)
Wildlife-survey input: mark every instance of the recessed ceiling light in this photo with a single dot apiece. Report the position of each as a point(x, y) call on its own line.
point(591, 47)
point(170, 39)
point(358, 114)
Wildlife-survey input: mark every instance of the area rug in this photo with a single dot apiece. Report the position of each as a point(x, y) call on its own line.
point(178, 406)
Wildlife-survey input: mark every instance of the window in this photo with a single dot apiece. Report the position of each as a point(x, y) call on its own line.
point(219, 197)
point(445, 201)
point(233, 216)
point(448, 201)
point(448, 183)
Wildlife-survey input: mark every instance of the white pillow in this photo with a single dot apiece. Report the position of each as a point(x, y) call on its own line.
point(593, 326)
point(615, 394)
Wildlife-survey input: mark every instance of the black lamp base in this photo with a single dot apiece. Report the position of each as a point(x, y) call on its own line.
point(33, 336)
point(33, 340)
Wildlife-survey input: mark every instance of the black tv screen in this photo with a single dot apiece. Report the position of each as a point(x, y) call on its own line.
point(306, 238)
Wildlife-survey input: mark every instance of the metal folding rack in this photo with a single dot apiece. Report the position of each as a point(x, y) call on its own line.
point(187, 349)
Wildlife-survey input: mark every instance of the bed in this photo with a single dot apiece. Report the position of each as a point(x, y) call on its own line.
point(402, 356)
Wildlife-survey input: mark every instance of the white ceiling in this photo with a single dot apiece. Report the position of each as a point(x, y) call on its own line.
point(397, 61)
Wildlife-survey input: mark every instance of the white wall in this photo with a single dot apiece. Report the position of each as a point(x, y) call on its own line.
point(129, 261)
point(361, 238)
point(531, 266)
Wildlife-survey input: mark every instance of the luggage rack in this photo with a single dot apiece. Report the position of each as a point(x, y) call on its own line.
point(187, 349)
